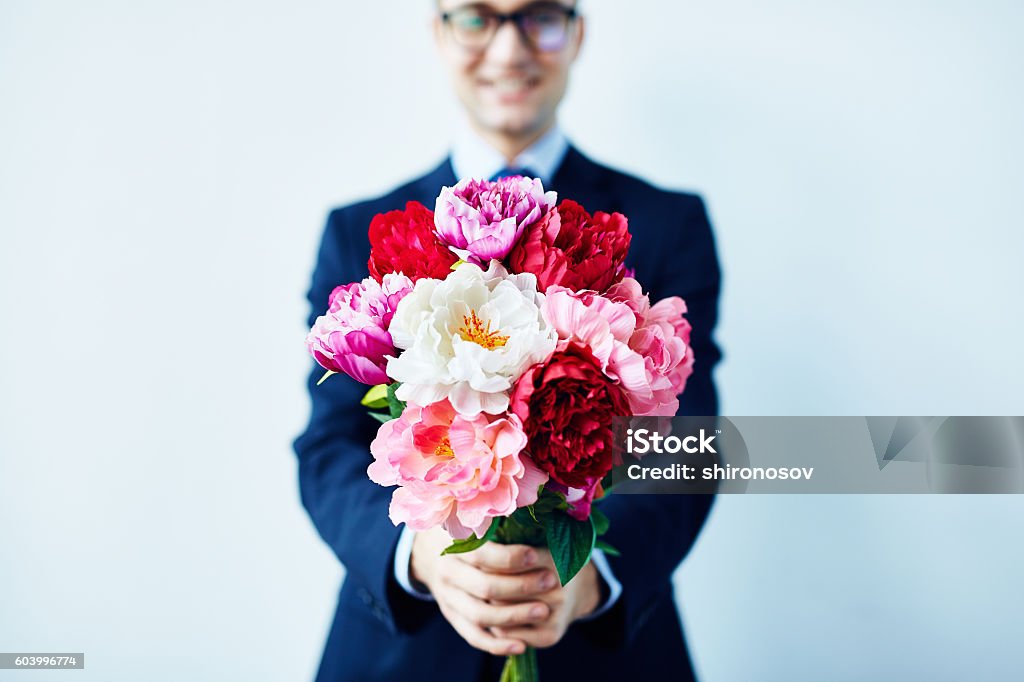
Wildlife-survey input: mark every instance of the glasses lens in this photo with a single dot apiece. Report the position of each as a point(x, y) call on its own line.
point(471, 26)
point(547, 26)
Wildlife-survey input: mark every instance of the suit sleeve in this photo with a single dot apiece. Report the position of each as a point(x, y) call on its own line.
point(655, 532)
point(696, 276)
point(350, 512)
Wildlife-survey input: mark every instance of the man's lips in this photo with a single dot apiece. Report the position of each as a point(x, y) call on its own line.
point(509, 86)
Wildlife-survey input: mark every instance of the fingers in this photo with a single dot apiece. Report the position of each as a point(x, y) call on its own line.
point(497, 558)
point(541, 637)
point(498, 588)
point(546, 633)
point(479, 638)
point(487, 615)
point(501, 586)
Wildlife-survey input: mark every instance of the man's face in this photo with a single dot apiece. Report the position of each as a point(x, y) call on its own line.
point(510, 86)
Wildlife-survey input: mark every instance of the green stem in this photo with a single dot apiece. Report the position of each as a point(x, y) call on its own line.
point(521, 668)
point(522, 530)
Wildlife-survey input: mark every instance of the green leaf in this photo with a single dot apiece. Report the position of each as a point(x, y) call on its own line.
point(395, 406)
point(601, 521)
point(472, 542)
point(570, 542)
point(463, 546)
point(376, 398)
point(549, 500)
point(324, 377)
point(529, 515)
point(606, 548)
point(521, 529)
point(382, 417)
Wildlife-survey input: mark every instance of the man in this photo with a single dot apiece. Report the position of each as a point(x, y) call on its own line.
point(404, 611)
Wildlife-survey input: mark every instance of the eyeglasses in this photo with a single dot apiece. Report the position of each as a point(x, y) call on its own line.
point(543, 25)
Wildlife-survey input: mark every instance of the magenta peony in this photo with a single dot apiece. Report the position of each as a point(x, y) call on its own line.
point(352, 337)
point(482, 220)
point(579, 500)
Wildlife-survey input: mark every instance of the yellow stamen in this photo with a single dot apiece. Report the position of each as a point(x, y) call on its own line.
point(444, 448)
point(473, 329)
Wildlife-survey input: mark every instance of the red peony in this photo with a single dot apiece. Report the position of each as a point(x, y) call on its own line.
point(404, 241)
point(567, 405)
point(571, 248)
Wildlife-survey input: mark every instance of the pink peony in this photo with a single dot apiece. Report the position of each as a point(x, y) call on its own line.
point(604, 327)
point(455, 471)
point(481, 220)
point(352, 337)
point(643, 349)
point(662, 337)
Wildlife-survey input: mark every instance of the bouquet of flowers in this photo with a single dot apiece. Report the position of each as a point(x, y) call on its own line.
point(501, 333)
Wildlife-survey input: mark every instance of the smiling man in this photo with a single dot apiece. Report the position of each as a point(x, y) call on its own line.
point(509, 66)
point(404, 611)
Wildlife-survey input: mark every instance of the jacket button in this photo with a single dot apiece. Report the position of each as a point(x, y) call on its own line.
point(365, 596)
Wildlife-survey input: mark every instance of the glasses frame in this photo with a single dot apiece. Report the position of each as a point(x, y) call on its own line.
point(517, 18)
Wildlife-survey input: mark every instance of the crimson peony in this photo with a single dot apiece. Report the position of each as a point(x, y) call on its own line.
point(404, 241)
point(571, 248)
point(567, 405)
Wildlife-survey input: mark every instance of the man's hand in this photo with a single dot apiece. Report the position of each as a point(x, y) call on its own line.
point(579, 598)
point(501, 598)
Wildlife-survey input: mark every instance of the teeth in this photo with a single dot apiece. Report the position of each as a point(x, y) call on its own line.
point(511, 84)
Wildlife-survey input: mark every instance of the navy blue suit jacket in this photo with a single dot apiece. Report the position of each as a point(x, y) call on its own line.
point(379, 632)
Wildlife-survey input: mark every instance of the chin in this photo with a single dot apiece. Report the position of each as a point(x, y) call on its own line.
point(514, 124)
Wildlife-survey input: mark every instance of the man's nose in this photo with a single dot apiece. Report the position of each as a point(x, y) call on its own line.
point(509, 46)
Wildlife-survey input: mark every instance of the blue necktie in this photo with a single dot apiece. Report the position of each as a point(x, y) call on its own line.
point(509, 172)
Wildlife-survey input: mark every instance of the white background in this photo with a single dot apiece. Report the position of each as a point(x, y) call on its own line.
point(165, 169)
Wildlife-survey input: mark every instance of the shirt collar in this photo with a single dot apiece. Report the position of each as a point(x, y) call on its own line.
point(474, 158)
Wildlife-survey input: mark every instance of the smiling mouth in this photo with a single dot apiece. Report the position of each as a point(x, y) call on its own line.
point(510, 85)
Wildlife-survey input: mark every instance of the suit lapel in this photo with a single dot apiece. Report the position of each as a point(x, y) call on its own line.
point(585, 182)
point(429, 186)
point(577, 178)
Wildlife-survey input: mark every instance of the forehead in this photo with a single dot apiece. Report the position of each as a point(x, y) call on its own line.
point(503, 6)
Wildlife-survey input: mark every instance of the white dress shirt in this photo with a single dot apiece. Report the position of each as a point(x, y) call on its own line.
point(473, 158)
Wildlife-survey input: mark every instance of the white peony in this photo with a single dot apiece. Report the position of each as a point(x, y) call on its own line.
point(468, 338)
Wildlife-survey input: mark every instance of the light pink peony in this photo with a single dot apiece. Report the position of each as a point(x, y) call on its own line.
point(604, 327)
point(454, 471)
point(352, 337)
point(644, 349)
point(662, 337)
point(481, 220)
